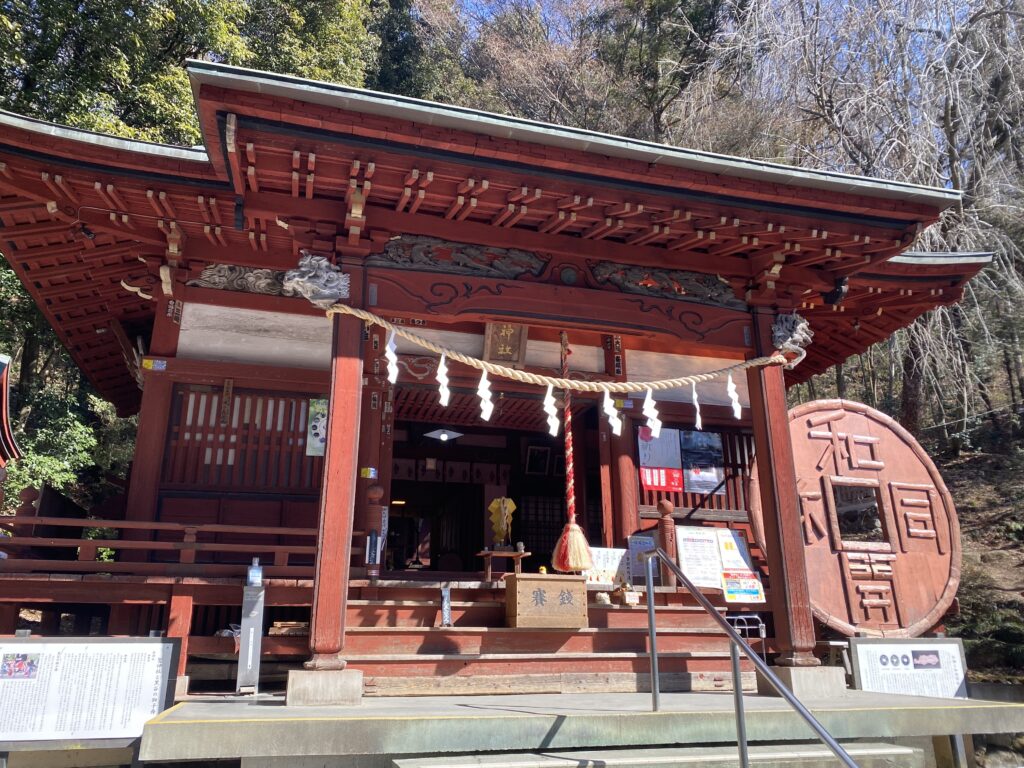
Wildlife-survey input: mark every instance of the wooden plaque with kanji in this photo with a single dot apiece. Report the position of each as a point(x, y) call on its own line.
point(880, 532)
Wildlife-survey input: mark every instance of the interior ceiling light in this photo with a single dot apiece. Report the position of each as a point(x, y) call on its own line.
point(444, 435)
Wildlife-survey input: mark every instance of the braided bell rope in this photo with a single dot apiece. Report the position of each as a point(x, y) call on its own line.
point(570, 469)
point(563, 382)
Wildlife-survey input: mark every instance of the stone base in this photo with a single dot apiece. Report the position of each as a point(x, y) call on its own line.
point(807, 682)
point(324, 688)
point(180, 687)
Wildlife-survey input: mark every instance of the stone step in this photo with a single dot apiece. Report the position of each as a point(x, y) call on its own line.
point(579, 681)
point(876, 755)
point(510, 672)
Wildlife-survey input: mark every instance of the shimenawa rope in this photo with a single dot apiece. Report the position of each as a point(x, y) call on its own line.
point(557, 382)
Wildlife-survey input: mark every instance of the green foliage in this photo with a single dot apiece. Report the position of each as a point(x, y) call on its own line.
point(117, 66)
point(402, 65)
point(658, 47)
point(318, 39)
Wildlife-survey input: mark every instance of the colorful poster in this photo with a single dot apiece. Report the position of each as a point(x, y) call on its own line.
point(316, 427)
point(661, 467)
point(697, 552)
point(740, 582)
point(702, 461)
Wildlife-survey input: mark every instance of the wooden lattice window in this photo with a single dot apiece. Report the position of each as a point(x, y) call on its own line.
point(246, 439)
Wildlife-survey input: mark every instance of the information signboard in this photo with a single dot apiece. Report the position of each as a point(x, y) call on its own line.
point(697, 553)
point(83, 688)
point(919, 667)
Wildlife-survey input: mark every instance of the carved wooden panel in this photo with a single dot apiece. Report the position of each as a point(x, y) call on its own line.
point(455, 297)
point(880, 532)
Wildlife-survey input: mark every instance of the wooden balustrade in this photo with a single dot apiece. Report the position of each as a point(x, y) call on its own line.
point(276, 556)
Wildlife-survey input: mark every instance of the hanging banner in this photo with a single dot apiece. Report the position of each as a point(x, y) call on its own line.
point(697, 552)
point(740, 582)
point(316, 427)
point(702, 461)
point(661, 467)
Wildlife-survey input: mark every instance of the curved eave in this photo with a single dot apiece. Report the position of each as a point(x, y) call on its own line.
point(502, 126)
point(74, 147)
point(883, 299)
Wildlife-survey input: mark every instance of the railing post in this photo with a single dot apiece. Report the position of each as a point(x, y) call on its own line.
point(741, 718)
point(667, 535)
point(188, 553)
point(652, 626)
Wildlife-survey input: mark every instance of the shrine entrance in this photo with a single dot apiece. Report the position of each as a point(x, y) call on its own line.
point(445, 472)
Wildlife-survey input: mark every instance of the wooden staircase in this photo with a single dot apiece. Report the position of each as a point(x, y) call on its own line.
point(393, 635)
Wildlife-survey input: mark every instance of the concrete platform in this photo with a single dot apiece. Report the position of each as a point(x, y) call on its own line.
point(232, 729)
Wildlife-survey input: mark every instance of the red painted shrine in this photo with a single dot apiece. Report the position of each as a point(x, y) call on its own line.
point(267, 429)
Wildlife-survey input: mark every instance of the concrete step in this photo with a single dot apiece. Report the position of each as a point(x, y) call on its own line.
point(877, 755)
point(580, 681)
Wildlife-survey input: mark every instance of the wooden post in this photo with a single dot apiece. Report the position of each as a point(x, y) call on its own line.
point(119, 622)
point(8, 618)
point(780, 505)
point(604, 451)
point(148, 461)
point(179, 624)
point(337, 496)
point(667, 539)
point(626, 501)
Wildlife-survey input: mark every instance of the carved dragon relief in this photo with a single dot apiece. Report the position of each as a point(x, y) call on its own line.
point(229, 277)
point(315, 278)
point(667, 284)
point(430, 254)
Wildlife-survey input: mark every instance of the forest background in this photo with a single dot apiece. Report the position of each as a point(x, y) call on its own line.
point(925, 91)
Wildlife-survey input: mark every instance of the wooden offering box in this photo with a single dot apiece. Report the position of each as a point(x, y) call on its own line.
point(540, 600)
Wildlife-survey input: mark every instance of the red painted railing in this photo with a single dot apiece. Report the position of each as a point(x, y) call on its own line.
point(190, 542)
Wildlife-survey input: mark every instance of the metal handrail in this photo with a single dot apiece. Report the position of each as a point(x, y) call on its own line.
point(736, 644)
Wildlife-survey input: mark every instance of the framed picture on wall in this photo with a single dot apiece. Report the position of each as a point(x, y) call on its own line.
point(537, 457)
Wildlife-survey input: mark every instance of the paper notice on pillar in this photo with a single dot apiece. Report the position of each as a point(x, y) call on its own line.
point(742, 587)
point(637, 566)
point(697, 551)
point(316, 427)
point(740, 582)
point(101, 689)
point(661, 466)
point(610, 566)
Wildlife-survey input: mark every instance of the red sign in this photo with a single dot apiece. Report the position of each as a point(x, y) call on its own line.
point(661, 479)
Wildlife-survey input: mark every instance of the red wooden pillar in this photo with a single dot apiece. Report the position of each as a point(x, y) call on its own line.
point(780, 505)
point(179, 624)
point(337, 496)
point(625, 499)
point(604, 452)
point(147, 463)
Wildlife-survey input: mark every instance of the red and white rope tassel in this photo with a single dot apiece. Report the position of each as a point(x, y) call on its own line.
point(572, 552)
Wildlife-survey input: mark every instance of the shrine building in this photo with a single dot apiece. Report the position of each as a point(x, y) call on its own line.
point(191, 285)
